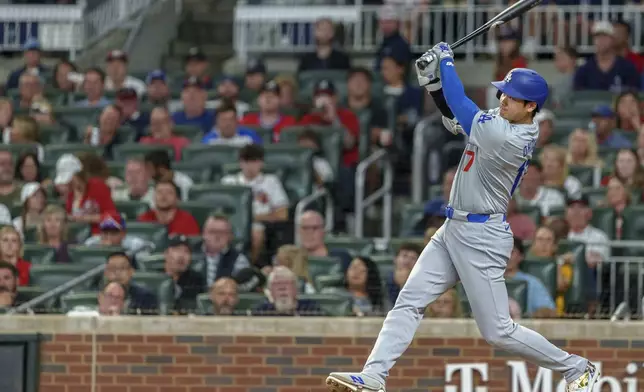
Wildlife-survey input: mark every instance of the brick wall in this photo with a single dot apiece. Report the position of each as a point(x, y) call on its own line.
point(239, 363)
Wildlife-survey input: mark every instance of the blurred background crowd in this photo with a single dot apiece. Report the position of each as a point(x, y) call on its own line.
point(312, 190)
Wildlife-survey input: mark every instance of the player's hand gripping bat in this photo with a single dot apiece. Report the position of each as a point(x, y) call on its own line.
point(515, 10)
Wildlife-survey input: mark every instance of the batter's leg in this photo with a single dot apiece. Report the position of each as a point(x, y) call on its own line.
point(480, 253)
point(432, 275)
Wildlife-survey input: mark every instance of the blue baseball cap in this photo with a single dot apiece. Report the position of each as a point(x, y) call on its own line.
point(31, 44)
point(157, 74)
point(112, 221)
point(229, 78)
point(603, 111)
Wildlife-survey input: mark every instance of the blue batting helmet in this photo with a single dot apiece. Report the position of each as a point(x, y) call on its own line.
point(523, 83)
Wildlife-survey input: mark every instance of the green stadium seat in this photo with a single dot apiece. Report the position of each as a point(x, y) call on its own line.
point(319, 265)
point(633, 228)
point(125, 151)
point(589, 99)
point(266, 134)
point(199, 209)
point(518, 290)
point(72, 300)
point(48, 277)
point(322, 282)
point(355, 246)
point(534, 212)
point(39, 254)
point(192, 132)
point(78, 117)
point(27, 293)
point(604, 219)
point(584, 174)
point(198, 173)
point(204, 305)
point(18, 149)
point(330, 137)
point(332, 304)
point(160, 284)
point(213, 156)
point(410, 216)
point(116, 168)
point(151, 263)
point(131, 209)
point(78, 232)
point(298, 163)
point(576, 297)
point(595, 195)
point(53, 134)
point(55, 151)
point(91, 256)
point(153, 232)
point(233, 201)
point(543, 268)
point(248, 302)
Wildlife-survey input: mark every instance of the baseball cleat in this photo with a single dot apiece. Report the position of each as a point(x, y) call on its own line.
point(353, 382)
point(586, 382)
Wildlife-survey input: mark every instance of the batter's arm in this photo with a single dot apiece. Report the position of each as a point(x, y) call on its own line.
point(464, 109)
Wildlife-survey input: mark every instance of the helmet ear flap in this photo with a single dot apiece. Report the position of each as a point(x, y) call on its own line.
point(498, 94)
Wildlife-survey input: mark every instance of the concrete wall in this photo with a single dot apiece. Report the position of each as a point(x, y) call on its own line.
point(177, 354)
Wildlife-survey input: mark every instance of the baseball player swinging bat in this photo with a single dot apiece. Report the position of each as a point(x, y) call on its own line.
point(475, 242)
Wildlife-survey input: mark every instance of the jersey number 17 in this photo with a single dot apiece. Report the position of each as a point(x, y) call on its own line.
point(520, 173)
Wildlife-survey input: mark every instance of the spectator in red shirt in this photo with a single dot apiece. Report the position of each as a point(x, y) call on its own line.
point(327, 112)
point(11, 249)
point(269, 115)
point(161, 132)
point(622, 34)
point(87, 197)
point(167, 211)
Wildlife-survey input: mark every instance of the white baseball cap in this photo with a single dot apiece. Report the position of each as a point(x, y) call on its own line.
point(66, 166)
point(544, 115)
point(28, 190)
point(603, 27)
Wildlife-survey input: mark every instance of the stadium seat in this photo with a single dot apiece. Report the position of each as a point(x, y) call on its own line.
point(589, 99)
point(27, 293)
point(192, 132)
point(543, 268)
point(204, 305)
point(213, 156)
point(39, 254)
point(584, 174)
point(125, 151)
point(266, 134)
point(160, 284)
point(355, 246)
point(53, 134)
point(595, 195)
point(410, 216)
point(198, 173)
point(319, 265)
point(248, 302)
point(231, 200)
point(72, 300)
point(78, 232)
point(604, 219)
point(151, 263)
point(298, 163)
point(48, 277)
point(55, 151)
point(332, 304)
point(116, 168)
point(518, 290)
point(201, 210)
point(322, 282)
point(18, 149)
point(330, 137)
point(153, 232)
point(534, 212)
point(633, 227)
point(91, 256)
point(131, 209)
point(78, 117)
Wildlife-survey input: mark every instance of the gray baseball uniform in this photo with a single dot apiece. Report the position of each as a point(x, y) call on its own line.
point(473, 246)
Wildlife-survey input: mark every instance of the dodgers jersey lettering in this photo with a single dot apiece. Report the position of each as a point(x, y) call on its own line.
point(493, 163)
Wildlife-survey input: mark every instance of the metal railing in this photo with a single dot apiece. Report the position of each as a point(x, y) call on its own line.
point(109, 15)
point(384, 193)
point(419, 158)
point(288, 28)
point(62, 289)
point(319, 194)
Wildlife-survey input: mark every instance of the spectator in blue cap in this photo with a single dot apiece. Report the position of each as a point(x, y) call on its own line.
point(228, 89)
point(255, 75)
point(194, 112)
point(196, 66)
point(94, 89)
point(389, 23)
point(434, 211)
point(326, 55)
point(32, 63)
point(603, 124)
point(158, 91)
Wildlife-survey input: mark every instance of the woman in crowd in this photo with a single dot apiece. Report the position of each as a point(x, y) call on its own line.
point(545, 245)
point(582, 149)
point(618, 198)
point(25, 130)
point(627, 169)
point(52, 231)
point(555, 171)
point(11, 252)
point(628, 112)
point(448, 305)
point(66, 77)
point(28, 168)
point(362, 281)
point(295, 259)
point(33, 199)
